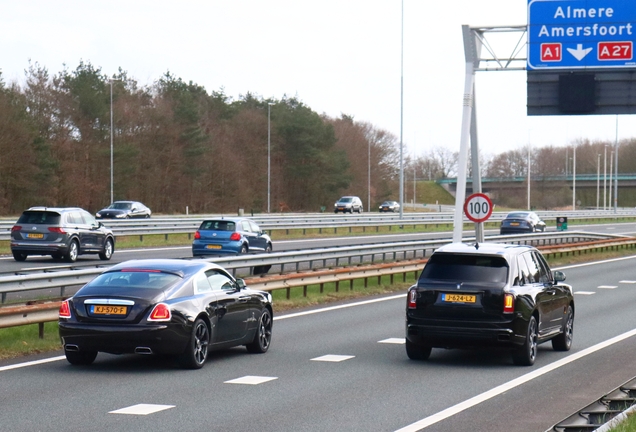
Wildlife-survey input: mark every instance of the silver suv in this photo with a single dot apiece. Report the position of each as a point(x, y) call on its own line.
point(348, 204)
point(60, 232)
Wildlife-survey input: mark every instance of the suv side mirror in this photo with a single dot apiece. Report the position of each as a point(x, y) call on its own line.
point(240, 283)
point(559, 276)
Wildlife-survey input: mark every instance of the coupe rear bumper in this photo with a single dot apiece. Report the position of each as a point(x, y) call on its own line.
point(121, 339)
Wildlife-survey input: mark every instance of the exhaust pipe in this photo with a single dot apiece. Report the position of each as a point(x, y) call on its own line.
point(73, 348)
point(143, 350)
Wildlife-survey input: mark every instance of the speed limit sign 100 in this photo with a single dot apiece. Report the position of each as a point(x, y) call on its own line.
point(478, 207)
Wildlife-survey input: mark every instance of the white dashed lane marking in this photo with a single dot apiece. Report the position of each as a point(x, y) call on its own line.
point(397, 341)
point(584, 292)
point(627, 282)
point(142, 409)
point(251, 380)
point(333, 358)
point(607, 286)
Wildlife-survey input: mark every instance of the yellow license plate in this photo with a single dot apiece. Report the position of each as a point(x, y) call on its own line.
point(213, 246)
point(459, 298)
point(514, 223)
point(35, 236)
point(108, 310)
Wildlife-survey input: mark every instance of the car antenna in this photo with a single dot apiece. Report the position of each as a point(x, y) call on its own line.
point(476, 246)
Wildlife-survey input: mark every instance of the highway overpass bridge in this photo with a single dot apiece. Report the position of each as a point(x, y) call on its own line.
point(586, 186)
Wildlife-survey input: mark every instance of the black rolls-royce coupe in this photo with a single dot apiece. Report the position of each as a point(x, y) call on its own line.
point(164, 306)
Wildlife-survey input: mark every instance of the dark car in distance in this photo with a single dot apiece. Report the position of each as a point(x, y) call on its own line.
point(124, 210)
point(230, 236)
point(521, 222)
point(63, 233)
point(489, 295)
point(389, 206)
point(164, 306)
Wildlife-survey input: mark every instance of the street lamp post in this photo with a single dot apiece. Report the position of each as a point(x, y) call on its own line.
point(269, 154)
point(605, 179)
point(574, 179)
point(598, 179)
point(111, 140)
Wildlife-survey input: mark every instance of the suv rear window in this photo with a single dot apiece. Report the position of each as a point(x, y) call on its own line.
point(218, 225)
point(39, 217)
point(465, 268)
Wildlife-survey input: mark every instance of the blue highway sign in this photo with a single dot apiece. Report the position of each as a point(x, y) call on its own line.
point(579, 34)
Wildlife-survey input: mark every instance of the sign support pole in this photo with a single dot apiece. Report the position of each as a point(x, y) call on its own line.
point(471, 52)
point(460, 195)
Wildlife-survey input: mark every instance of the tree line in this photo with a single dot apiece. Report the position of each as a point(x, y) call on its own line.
point(178, 146)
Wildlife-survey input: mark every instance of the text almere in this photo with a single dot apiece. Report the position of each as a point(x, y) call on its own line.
point(570, 13)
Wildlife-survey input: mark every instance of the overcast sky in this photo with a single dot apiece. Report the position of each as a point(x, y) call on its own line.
point(337, 56)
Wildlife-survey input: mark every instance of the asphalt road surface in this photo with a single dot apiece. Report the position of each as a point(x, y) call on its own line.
point(341, 368)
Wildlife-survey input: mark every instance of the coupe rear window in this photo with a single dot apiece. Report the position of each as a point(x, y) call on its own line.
point(517, 216)
point(39, 217)
point(136, 279)
point(220, 225)
point(466, 268)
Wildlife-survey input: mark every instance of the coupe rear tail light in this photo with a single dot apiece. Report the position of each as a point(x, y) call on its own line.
point(509, 303)
point(65, 309)
point(235, 236)
point(412, 299)
point(197, 235)
point(161, 312)
point(16, 228)
point(57, 230)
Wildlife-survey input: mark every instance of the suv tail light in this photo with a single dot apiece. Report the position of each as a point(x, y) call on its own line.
point(235, 236)
point(16, 228)
point(65, 309)
point(509, 303)
point(197, 235)
point(161, 312)
point(57, 230)
point(412, 299)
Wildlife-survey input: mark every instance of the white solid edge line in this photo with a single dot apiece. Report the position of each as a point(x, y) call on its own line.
point(31, 363)
point(345, 306)
point(469, 403)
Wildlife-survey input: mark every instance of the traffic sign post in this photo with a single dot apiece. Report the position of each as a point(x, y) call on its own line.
point(580, 34)
point(478, 208)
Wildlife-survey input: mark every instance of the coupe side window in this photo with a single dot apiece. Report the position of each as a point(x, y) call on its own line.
point(219, 281)
point(201, 283)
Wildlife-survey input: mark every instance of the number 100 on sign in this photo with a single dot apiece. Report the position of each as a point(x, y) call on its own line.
point(478, 207)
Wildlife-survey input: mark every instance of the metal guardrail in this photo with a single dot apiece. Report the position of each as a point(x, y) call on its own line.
point(604, 414)
point(41, 312)
point(187, 225)
point(312, 258)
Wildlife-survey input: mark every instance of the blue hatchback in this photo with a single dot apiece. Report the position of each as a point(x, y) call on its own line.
point(230, 236)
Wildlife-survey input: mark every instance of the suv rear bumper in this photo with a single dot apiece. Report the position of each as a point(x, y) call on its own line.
point(39, 249)
point(465, 336)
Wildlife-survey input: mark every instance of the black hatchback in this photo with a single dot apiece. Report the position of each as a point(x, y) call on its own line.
point(489, 295)
point(60, 232)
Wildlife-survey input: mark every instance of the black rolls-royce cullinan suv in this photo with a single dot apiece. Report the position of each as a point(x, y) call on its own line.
point(489, 295)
